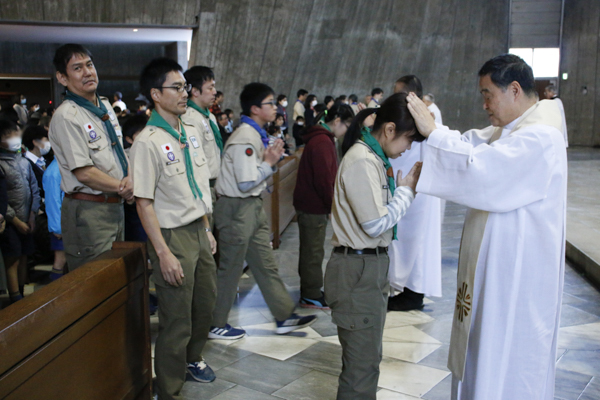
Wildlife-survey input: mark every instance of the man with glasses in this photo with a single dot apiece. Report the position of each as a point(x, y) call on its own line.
point(88, 143)
point(173, 200)
point(248, 161)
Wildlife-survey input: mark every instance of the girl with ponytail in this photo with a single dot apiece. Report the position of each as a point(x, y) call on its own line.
point(313, 196)
point(366, 208)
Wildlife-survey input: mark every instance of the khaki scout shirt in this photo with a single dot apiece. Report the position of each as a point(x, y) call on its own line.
point(361, 194)
point(207, 139)
point(242, 156)
point(79, 139)
point(159, 173)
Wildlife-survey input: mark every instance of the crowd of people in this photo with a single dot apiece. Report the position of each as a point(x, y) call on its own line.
point(186, 177)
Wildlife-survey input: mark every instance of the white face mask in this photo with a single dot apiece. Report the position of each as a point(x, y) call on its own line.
point(313, 103)
point(36, 109)
point(300, 123)
point(23, 101)
point(13, 143)
point(284, 104)
point(46, 149)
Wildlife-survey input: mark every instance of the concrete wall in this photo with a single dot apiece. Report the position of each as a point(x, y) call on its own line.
point(351, 46)
point(580, 58)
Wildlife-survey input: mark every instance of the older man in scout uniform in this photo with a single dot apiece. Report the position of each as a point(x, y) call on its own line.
point(172, 198)
point(87, 142)
point(202, 95)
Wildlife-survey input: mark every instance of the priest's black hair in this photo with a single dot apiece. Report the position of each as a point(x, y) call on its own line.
point(412, 84)
point(508, 68)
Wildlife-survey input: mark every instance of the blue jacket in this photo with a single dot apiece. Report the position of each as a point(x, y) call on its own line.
point(54, 197)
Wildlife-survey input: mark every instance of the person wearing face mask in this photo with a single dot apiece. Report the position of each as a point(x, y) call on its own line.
point(87, 141)
point(309, 110)
point(35, 139)
point(298, 130)
point(282, 104)
point(313, 196)
point(367, 204)
point(23, 204)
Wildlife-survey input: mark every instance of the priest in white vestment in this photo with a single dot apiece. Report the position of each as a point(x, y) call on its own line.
point(551, 94)
point(513, 177)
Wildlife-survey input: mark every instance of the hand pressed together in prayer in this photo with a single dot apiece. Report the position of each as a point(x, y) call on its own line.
point(274, 152)
point(412, 178)
point(423, 118)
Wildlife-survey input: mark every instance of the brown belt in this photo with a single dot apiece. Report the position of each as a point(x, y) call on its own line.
point(97, 198)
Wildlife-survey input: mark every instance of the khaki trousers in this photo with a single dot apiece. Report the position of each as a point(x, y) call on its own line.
point(89, 229)
point(244, 235)
point(184, 312)
point(356, 289)
point(312, 241)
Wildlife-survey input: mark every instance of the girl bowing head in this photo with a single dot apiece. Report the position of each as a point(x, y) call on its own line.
point(368, 203)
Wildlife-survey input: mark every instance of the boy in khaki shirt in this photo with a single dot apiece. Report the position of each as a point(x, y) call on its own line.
point(198, 114)
point(244, 234)
point(173, 200)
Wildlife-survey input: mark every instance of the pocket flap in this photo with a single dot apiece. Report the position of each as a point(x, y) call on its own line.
point(353, 322)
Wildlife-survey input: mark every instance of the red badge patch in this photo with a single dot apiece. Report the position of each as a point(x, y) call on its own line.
point(249, 151)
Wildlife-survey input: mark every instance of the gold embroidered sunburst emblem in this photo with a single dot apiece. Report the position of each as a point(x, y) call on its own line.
point(463, 302)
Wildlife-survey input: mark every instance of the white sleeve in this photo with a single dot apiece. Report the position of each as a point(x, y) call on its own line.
point(403, 197)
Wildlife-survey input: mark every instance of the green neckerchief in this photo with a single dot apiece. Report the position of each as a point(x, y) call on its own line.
point(324, 124)
point(6, 151)
point(213, 126)
point(376, 147)
point(101, 112)
point(158, 121)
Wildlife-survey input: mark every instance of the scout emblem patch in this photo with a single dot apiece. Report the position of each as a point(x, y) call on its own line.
point(249, 151)
point(170, 156)
point(89, 128)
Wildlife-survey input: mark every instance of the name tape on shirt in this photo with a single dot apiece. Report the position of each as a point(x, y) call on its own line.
point(206, 125)
point(194, 142)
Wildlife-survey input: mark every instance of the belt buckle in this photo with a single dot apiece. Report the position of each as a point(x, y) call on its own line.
point(105, 198)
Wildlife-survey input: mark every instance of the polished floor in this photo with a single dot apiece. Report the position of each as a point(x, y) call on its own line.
point(305, 364)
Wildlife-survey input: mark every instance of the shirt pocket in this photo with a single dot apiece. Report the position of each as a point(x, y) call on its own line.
point(101, 154)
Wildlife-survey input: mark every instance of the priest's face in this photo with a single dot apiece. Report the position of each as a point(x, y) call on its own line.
point(500, 104)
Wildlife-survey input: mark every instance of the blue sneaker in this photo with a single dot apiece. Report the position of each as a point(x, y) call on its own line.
point(293, 323)
point(228, 332)
point(201, 372)
point(319, 303)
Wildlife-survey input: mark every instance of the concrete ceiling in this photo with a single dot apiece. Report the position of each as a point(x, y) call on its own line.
point(91, 34)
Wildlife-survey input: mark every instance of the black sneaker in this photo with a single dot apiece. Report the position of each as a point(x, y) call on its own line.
point(293, 323)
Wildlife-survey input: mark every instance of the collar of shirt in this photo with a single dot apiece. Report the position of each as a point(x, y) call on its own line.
point(33, 157)
point(508, 127)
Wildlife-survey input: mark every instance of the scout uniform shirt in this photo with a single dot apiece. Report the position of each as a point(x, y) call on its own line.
point(79, 139)
point(207, 138)
point(159, 174)
point(242, 156)
point(361, 194)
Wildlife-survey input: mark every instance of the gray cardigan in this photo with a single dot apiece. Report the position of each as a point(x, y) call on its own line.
point(21, 186)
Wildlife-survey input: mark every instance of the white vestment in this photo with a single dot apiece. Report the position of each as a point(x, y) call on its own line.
point(512, 309)
point(437, 114)
point(416, 257)
point(562, 110)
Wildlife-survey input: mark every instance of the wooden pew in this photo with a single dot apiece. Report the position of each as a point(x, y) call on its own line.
point(278, 197)
point(84, 336)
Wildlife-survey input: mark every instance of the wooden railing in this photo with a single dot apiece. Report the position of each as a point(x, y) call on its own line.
point(84, 336)
point(278, 198)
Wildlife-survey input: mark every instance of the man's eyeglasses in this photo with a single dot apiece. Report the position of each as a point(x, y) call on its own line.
point(272, 103)
point(187, 87)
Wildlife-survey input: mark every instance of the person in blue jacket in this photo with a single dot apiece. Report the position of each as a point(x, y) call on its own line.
point(54, 196)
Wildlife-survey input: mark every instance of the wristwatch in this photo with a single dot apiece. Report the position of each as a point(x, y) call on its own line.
point(207, 229)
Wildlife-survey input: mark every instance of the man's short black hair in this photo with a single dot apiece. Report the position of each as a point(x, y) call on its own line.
point(353, 98)
point(508, 68)
point(413, 84)
point(155, 74)
point(35, 132)
point(228, 111)
point(281, 97)
point(64, 53)
point(7, 127)
point(376, 91)
point(253, 95)
point(219, 94)
point(301, 92)
point(197, 75)
point(219, 115)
